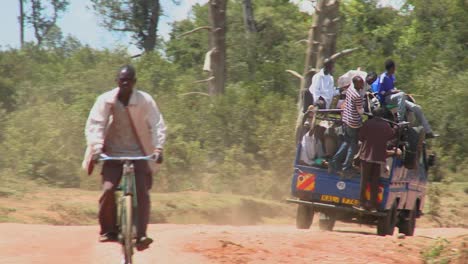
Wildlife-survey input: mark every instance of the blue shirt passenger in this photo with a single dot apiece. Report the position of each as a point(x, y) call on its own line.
point(383, 85)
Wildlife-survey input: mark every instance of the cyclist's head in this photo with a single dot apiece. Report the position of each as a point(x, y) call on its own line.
point(126, 77)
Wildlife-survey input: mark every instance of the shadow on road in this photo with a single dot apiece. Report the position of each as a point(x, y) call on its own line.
point(355, 232)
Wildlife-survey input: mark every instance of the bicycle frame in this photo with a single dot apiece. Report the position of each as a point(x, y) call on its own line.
point(128, 178)
point(127, 202)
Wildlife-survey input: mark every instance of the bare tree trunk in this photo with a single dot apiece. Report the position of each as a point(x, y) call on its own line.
point(313, 45)
point(149, 40)
point(329, 30)
point(249, 19)
point(218, 46)
point(251, 37)
point(321, 44)
point(35, 6)
point(21, 22)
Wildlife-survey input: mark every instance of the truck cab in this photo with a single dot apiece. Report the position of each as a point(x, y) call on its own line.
point(402, 185)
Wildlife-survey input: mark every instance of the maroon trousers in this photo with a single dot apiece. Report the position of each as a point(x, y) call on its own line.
point(370, 174)
point(111, 176)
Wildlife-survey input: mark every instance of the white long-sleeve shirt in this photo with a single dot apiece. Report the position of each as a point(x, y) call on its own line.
point(143, 115)
point(323, 86)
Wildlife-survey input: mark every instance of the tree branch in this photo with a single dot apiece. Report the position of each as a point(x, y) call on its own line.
point(332, 3)
point(312, 71)
point(340, 54)
point(194, 30)
point(206, 80)
point(302, 40)
point(123, 29)
point(190, 93)
point(294, 73)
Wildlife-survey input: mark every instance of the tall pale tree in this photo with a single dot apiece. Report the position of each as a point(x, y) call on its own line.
point(321, 47)
point(215, 58)
point(218, 10)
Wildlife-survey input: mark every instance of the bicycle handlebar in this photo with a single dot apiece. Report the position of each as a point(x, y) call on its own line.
point(152, 157)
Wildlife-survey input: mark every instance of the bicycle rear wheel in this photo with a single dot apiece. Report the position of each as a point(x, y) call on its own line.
point(126, 228)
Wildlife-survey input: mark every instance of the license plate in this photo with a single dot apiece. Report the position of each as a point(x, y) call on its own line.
point(330, 198)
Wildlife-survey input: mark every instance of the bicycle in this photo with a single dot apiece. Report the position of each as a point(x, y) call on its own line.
point(127, 204)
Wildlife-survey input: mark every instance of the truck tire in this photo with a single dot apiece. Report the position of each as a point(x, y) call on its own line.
point(407, 225)
point(304, 216)
point(386, 224)
point(327, 222)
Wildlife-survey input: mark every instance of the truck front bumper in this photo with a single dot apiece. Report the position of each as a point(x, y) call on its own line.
point(338, 208)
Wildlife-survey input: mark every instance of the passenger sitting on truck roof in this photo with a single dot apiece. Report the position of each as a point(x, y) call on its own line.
point(370, 80)
point(374, 136)
point(322, 87)
point(352, 121)
point(371, 101)
point(388, 94)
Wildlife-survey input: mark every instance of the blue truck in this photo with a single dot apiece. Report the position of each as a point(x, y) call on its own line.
point(401, 195)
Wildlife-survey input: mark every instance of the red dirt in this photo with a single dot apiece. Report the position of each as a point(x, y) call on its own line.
point(38, 244)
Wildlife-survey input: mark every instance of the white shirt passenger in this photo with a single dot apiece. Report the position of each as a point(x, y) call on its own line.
point(323, 86)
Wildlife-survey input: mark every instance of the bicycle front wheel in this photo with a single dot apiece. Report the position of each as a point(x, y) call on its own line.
point(126, 228)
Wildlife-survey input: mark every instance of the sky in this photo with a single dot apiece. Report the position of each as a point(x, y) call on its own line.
point(81, 22)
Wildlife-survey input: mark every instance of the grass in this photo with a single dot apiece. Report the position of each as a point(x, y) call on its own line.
point(443, 251)
point(435, 250)
point(28, 202)
point(5, 214)
point(447, 204)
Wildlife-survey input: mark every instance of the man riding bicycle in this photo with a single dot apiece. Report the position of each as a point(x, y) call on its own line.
point(124, 122)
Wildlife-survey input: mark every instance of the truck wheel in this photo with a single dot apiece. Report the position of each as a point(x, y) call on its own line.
point(327, 222)
point(408, 225)
point(386, 224)
point(304, 216)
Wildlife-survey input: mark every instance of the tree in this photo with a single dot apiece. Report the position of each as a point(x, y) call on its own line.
point(21, 21)
point(215, 58)
point(249, 19)
point(39, 17)
point(321, 47)
point(138, 17)
point(218, 46)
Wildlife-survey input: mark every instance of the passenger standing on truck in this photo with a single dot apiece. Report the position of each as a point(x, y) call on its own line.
point(374, 136)
point(322, 87)
point(352, 121)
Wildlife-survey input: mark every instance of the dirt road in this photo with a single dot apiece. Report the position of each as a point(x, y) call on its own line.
point(41, 244)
